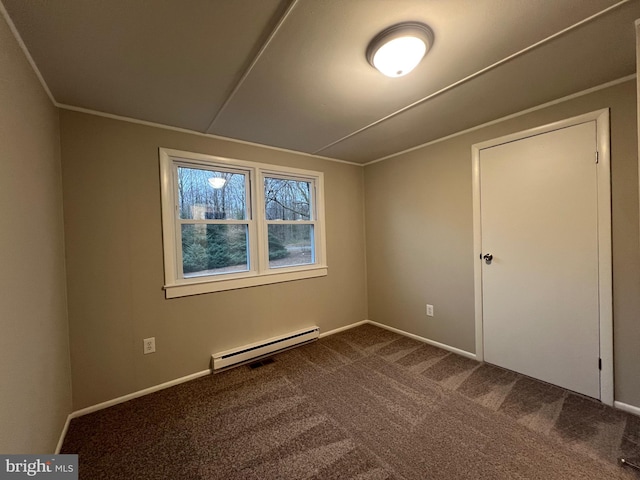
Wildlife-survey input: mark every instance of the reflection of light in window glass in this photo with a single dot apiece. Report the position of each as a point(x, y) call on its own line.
point(201, 198)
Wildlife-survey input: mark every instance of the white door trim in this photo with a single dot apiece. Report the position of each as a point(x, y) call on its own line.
point(605, 286)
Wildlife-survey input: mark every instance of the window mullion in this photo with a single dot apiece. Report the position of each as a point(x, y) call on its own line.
point(251, 208)
point(262, 246)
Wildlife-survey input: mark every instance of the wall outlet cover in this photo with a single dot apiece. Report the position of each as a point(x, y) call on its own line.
point(149, 345)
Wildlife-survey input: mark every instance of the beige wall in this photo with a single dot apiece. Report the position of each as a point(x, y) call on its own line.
point(115, 262)
point(420, 233)
point(35, 389)
point(638, 83)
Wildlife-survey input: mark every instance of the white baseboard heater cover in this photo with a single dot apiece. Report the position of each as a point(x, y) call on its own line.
point(265, 347)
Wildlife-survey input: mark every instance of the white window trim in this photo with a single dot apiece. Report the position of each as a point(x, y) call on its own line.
point(259, 272)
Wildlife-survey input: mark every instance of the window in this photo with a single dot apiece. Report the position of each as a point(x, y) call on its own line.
point(232, 224)
point(289, 222)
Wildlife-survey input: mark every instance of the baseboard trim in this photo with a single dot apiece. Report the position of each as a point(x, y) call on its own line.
point(125, 398)
point(627, 408)
point(342, 329)
point(203, 373)
point(443, 346)
point(139, 393)
point(162, 386)
point(63, 434)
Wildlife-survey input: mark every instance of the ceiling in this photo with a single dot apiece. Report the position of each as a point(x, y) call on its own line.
point(293, 73)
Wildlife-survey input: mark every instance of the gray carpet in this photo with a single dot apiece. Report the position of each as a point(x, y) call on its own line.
point(364, 404)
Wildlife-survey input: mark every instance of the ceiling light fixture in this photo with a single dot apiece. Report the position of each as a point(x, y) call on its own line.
point(399, 49)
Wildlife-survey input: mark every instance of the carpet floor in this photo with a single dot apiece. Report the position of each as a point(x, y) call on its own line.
point(364, 404)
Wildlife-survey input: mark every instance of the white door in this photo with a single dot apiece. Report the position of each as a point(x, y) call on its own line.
point(539, 221)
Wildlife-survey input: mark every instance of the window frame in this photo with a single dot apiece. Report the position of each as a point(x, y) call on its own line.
point(259, 272)
point(265, 224)
point(249, 220)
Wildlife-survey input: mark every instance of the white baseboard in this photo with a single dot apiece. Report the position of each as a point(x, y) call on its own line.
point(126, 398)
point(63, 434)
point(627, 408)
point(342, 329)
point(193, 376)
point(139, 393)
point(156, 388)
point(443, 346)
point(162, 386)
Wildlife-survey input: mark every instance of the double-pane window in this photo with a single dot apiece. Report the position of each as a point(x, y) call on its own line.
point(233, 224)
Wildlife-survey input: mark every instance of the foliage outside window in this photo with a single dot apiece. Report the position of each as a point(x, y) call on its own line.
point(233, 224)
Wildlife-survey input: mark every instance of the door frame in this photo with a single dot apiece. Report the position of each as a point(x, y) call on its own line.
point(605, 282)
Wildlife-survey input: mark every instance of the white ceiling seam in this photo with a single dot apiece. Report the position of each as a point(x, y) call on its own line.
point(26, 53)
point(255, 60)
point(612, 83)
point(147, 123)
point(474, 75)
point(292, 75)
point(356, 164)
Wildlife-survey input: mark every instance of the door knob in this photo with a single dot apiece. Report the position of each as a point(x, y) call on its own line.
point(487, 258)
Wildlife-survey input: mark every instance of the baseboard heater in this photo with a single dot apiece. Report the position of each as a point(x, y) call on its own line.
point(265, 347)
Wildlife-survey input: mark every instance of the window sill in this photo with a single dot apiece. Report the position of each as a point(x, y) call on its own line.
point(199, 286)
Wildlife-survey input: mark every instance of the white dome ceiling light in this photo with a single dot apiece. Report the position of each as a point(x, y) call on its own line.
point(399, 49)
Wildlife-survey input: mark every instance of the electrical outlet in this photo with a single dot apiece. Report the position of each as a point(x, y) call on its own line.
point(149, 345)
point(429, 310)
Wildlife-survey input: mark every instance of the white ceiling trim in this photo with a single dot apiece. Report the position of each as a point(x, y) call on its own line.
point(200, 134)
point(36, 70)
point(476, 74)
point(509, 117)
point(18, 38)
point(240, 82)
point(315, 154)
